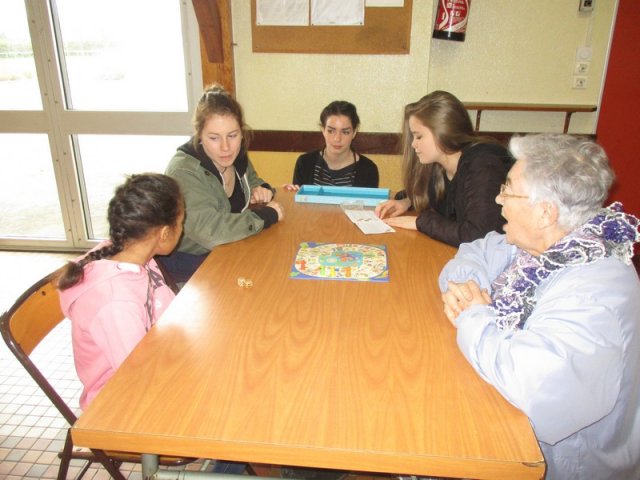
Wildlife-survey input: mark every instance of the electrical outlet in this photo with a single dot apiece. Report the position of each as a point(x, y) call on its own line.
point(579, 81)
point(586, 5)
point(581, 68)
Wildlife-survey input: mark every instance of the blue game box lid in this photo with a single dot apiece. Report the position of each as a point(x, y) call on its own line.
point(369, 197)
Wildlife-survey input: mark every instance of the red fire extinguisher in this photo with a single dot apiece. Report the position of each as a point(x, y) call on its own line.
point(451, 19)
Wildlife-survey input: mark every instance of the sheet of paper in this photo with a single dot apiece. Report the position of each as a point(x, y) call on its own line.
point(337, 12)
point(282, 12)
point(367, 221)
point(384, 3)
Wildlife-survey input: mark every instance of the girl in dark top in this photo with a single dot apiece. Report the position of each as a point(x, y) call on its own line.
point(336, 164)
point(451, 175)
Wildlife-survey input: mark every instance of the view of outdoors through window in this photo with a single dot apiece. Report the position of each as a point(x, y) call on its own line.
point(114, 56)
point(29, 203)
point(18, 80)
point(123, 55)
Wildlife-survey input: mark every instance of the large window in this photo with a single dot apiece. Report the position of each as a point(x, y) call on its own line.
point(90, 91)
point(18, 79)
point(29, 205)
point(123, 55)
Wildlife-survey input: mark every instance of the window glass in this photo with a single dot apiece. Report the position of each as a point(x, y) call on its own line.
point(106, 162)
point(138, 66)
point(18, 80)
point(29, 204)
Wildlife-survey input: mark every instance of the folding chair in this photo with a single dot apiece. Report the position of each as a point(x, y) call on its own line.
point(31, 318)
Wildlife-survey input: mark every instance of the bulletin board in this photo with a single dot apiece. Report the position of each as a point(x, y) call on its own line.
point(386, 30)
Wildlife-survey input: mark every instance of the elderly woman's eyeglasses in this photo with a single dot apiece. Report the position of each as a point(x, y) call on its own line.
point(504, 194)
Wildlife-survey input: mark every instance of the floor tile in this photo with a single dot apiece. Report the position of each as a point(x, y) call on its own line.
point(16, 455)
point(20, 469)
point(37, 471)
point(6, 467)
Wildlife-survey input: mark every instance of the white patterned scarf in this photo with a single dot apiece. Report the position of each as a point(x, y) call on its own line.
point(611, 232)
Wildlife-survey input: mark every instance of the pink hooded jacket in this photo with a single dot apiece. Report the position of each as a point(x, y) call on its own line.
point(110, 310)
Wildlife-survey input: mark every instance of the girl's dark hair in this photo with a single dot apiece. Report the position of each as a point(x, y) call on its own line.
point(143, 202)
point(340, 107)
point(216, 100)
point(447, 118)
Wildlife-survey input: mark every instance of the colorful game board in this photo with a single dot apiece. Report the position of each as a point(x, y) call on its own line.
point(341, 261)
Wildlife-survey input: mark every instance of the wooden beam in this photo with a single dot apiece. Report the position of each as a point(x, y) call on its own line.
point(208, 16)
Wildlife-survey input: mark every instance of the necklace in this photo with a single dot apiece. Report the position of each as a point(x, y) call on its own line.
point(228, 188)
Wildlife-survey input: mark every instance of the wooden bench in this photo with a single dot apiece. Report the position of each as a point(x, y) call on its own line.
point(568, 110)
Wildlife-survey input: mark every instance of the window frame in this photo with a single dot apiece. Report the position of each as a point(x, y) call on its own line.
point(62, 125)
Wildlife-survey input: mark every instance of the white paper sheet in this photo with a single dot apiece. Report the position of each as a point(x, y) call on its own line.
point(337, 12)
point(367, 221)
point(282, 12)
point(385, 3)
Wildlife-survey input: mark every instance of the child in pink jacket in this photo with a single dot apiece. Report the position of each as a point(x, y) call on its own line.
point(115, 293)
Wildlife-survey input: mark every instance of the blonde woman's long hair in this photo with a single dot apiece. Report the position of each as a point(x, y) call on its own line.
point(447, 119)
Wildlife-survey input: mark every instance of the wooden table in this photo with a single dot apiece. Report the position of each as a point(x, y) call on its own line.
point(320, 373)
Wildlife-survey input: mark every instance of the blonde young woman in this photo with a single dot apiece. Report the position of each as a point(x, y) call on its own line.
point(219, 184)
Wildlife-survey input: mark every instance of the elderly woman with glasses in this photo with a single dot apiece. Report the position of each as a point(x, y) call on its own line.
point(549, 312)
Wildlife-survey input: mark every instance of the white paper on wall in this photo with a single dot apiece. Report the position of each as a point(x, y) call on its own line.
point(282, 12)
point(337, 12)
point(384, 3)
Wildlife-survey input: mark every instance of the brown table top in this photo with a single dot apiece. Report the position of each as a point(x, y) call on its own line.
point(323, 373)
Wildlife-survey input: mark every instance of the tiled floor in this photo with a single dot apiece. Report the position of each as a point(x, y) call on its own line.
point(32, 431)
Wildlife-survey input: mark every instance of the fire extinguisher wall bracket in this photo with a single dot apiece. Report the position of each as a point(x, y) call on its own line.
point(451, 20)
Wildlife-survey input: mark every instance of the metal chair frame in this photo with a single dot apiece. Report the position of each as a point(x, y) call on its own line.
point(24, 326)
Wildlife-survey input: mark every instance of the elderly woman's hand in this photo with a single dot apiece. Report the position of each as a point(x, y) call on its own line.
point(461, 296)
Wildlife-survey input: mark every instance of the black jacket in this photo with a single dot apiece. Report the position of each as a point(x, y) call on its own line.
point(468, 210)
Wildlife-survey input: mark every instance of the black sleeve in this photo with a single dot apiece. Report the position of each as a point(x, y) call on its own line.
point(476, 210)
point(366, 173)
point(303, 171)
point(268, 214)
point(401, 195)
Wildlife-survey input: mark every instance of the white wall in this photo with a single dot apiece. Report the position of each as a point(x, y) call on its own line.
point(514, 51)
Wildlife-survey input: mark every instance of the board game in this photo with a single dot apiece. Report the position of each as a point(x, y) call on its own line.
point(341, 261)
point(368, 197)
